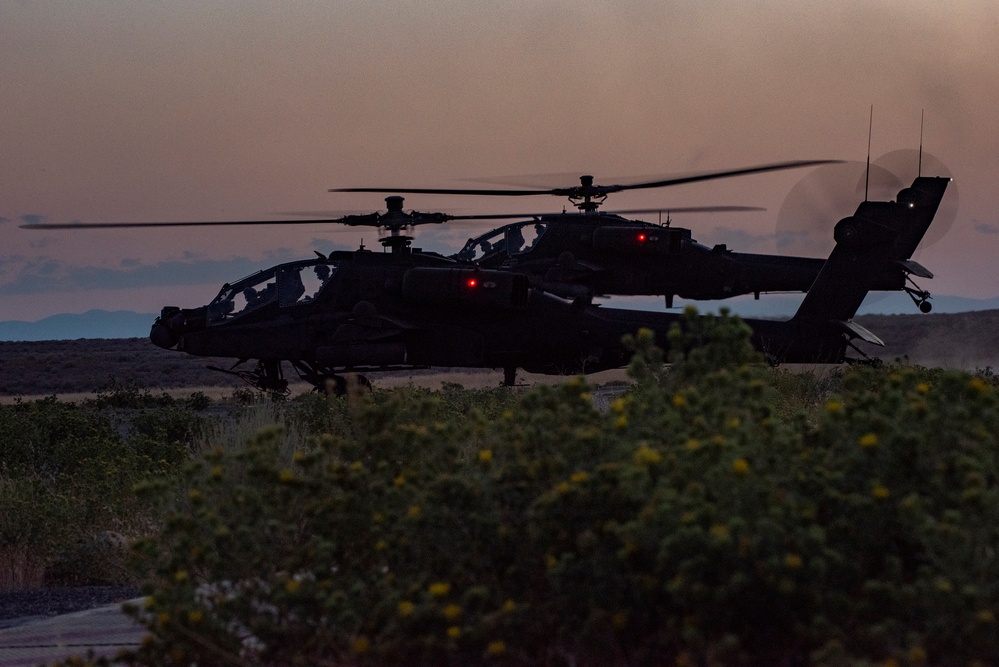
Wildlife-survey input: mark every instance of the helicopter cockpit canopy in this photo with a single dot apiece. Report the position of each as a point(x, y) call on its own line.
point(513, 239)
point(287, 285)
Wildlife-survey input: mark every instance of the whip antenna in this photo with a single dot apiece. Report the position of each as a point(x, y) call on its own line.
point(867, 178)
point(919, 171)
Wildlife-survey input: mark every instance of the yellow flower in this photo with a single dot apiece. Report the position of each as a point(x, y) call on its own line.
point(562, 488)
point(719, 531)
point(381, 545)
point(298, 456)
point(834, 407)
point(740, 467)
point(399, 481)
point(195, 616)
point(586, 397)
point(679, 401)
point(880, 491)
point(485, 455)
point(194, 495)
point(733, 423)
point(943, 585)
point(406, 608)
point(414, 512)
point(286, 476)
point(495, 648)
point(453, 632)
point(869, 440)
point(439, 589)
point(923, 388)
point(361, 645)
point(216, 472)
point(451, 612)
point(579, 477)
point(978, 385)
point(688, 517)
point(619, 619)
point(621, 421)
point(793, 561)
point(986, 616)
point(507, 415)
point(917, 655)
point(180, 576)
point(509, 606)
point(692, 445)
point(292, 585)
point(646, 456)
point(357, 466)
point(618, 405)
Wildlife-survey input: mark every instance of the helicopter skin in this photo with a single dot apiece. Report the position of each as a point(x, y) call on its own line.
point(600, 254)
point(364, 311)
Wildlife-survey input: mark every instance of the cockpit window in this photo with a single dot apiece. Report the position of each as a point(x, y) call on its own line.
point(288, 285)
point(512, 240)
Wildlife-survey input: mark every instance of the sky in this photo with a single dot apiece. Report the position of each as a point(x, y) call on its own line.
point(243, 109)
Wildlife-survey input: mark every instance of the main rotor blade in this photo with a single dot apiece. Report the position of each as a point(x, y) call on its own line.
point(687, 209)
point(679, 180)
point(121, 225)
point(375, 219)
point(712, 175)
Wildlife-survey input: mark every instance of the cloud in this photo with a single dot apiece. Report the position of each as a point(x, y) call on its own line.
point(32, 218)
point(43, 275)
point(986, 227)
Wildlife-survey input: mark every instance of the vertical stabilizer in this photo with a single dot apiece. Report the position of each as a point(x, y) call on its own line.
point(880, 236)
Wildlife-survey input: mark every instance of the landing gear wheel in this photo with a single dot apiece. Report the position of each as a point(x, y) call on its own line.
point(339, 385)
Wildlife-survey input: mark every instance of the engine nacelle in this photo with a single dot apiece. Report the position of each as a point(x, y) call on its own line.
point(856, 231)
point(465, 287)
point(639, 239)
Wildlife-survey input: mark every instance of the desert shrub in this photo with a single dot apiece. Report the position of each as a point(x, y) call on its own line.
point(690, 523)
point(66, 478)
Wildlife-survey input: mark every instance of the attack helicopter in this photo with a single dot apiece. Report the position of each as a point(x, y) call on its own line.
point(591, 252)
point(362, 311)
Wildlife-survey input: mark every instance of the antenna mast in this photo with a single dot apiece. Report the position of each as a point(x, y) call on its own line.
point(867, 178)
point(919, 171)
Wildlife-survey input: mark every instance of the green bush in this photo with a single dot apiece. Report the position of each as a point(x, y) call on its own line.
point(693, 522)
point(66, 478)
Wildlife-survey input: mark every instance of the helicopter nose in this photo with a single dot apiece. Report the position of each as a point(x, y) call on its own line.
point(161, 334)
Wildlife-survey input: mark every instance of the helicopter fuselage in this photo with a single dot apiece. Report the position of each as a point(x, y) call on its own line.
point(587, 254)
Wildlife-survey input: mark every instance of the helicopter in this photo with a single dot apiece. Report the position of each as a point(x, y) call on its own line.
point(591, 252)
point(362, 311)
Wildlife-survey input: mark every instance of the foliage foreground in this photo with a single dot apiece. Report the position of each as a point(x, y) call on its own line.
point(700, 519)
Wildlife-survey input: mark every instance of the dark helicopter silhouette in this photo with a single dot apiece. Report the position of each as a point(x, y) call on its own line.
point(595, 253)
point(362, 311)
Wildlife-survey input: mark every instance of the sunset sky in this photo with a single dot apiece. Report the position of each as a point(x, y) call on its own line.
point(148, 110)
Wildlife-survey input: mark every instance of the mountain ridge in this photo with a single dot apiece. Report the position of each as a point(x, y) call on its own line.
point(98, 323)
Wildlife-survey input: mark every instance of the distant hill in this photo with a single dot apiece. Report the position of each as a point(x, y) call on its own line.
point(784, 305)
point(953, 340)
point(91, 324)
point(127, 324)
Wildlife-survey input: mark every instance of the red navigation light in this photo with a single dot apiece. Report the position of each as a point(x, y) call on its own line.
point(641, 238)
point(472, 283)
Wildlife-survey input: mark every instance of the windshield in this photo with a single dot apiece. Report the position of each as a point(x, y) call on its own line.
point(514, 239)
point(286, 285)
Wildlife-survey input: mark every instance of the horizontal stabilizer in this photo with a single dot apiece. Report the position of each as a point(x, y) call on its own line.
point(915, 268)
point(854, 330)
